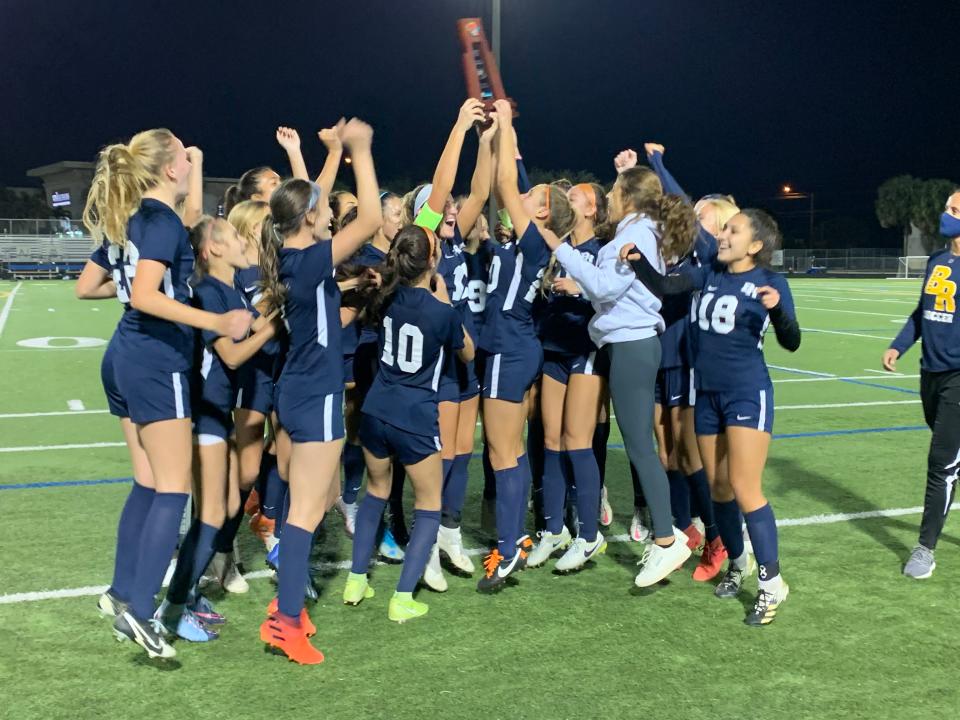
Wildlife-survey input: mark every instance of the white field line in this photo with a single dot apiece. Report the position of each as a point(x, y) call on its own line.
point(838, 332)
point(76, 405)
point(852, 312)
point(883, 372)
point(4, 416)
point(72, 446)
point(825, 519)
point(888, 376)
point(853, 299)
point(5, 313)
point(846, 405)
point(800, 370)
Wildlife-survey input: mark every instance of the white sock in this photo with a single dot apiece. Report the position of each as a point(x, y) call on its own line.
point(772, 585)
point(740, 563)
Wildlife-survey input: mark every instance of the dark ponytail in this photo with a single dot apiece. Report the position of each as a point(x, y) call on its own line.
point(766, 230)
point(408, 259)
point(247, 186)
point(274, 291)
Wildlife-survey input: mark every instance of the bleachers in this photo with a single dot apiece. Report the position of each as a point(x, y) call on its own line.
point(38, 256)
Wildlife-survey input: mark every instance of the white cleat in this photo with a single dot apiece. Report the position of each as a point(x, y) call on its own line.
point(580, 552)
point(450, 543)
point(232, 579)
point(606, 511)
point(547, 545)
point(639, 532)
point(349, 512)
point(658, 562)
point(433, 576)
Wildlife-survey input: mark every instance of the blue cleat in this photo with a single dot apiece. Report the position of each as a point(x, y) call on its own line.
point(273, 558)
point(389, 550)
point(192, 629)
point(203, 609)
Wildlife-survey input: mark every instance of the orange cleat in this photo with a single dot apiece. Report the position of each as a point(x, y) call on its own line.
point(262, 527)
point(252, 505)
point(694, 537)
point(714, 553)
point(279, 634)
point(306, 623)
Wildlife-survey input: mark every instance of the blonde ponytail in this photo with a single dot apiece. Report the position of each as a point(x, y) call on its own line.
point(124, 173)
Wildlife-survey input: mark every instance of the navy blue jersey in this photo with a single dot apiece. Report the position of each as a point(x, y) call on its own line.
point(155, 232)
point(247, 281)
point(478, 269)
point(367, 256)
point(563, 326)
point(731, 322)
point(216, 383)
point(704, 255)
point(311, 314)
point(516, 271)
point(935, 318)
point(416, 336)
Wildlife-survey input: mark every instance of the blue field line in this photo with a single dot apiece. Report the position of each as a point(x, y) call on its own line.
point(831, 433)
point(847, 380)
point(65, 483)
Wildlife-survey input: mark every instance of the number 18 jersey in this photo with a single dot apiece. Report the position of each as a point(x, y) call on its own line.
point(730, 322)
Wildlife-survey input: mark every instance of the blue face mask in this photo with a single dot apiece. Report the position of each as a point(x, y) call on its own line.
point(949, 225)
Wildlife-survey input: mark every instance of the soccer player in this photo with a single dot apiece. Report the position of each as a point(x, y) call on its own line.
point(131, 203)
point(418, 329)
point(298, 271)
point(935, 320)
point(219, 254)
point(259, 183)
point(740, 297)
point(626, 324)
point(512, 356)
point(571, 396)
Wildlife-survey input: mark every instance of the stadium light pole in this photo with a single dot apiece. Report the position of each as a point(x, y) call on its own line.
point(790, 194)
point(495, 34)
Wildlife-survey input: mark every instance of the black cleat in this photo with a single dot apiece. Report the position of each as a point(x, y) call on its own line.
point(765, 607)
point(148, 634)
point(497, 569)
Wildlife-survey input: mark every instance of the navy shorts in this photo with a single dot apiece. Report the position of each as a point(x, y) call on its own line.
point(383, 440)
point(210, 421)
point(467, 379)
point(307, 415)
point(255, 390)
point(675, 387)
point(508, 375)
point(115, 401)
point(152, 395)
point(716, 411)
point(560, 366)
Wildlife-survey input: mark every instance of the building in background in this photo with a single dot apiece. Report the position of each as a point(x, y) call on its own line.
point(66, 184)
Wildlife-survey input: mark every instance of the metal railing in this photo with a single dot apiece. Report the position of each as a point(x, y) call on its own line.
point(851, 260)
point(56, 227)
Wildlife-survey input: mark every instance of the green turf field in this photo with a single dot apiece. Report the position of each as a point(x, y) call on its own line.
point(854, 640)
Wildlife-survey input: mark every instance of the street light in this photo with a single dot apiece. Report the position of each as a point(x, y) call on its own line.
point(790, 194)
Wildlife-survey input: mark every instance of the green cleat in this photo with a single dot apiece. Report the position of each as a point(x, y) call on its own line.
point(356, 590)
point(403, 607)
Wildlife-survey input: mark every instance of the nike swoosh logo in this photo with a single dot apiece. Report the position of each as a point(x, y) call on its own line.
point(676, 397)
point(744, 417)
point(509, 567)
point(250, 289)
point(711, 287)
point(145, 639)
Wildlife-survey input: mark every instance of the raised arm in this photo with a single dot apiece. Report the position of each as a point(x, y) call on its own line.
point(357, 137)
point(655, 153)
point(507, 174)
point(289, 140)
point(330, 137)
point(446, 173)
point(193, 206)
point(480, 183)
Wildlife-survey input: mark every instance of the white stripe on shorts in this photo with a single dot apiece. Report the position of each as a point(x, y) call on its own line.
point(239, 397)
point(436, 441)
point(495, 377)
point(328, 418)
point(692, 402)
point(178, 395)
point(763, 410)
point(588, 366)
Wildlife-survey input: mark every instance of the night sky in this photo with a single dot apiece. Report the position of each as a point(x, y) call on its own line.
point(832, 97)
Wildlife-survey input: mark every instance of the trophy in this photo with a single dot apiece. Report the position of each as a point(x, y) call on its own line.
point(479, 66)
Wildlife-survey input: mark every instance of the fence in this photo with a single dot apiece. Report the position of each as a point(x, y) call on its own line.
point(57, 227)
point(852, 261)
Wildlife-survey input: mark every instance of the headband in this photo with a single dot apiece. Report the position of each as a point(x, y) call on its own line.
point(587, 189)
point(421, 198)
